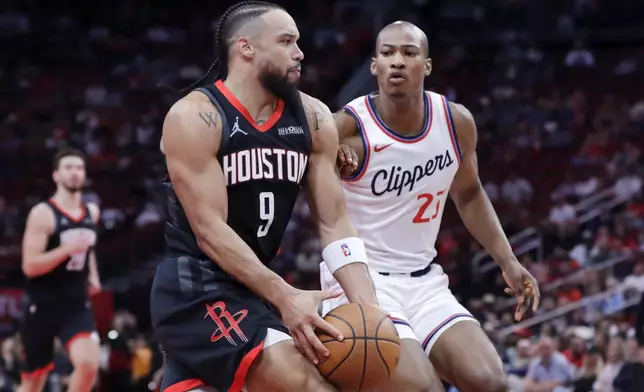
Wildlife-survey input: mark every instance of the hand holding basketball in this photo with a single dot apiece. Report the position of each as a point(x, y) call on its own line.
point(299, 312)
point(368, 356)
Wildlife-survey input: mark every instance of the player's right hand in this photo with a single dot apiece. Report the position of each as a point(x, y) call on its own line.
point(300, 314)
point(347, 161)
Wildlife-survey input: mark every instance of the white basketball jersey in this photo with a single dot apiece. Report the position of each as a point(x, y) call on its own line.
point(396, 199)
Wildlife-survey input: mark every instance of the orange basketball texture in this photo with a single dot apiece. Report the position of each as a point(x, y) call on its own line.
point(367, 357)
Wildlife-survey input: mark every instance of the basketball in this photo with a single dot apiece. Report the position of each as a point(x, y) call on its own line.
point(367, 357)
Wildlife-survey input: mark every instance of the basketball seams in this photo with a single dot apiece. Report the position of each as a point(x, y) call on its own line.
point(364, 361)
point(353, 344)
point(382, 357)
point(345, 358)
point(331, 340)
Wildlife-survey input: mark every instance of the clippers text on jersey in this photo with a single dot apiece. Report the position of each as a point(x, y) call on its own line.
point(397, 179)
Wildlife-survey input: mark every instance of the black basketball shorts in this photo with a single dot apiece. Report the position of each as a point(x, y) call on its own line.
point(210, 327)
point(42, 323)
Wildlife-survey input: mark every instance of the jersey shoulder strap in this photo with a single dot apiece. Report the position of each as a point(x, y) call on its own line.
point(355, 104)
point(225, 135)
point(56, 213)
point(88, 214)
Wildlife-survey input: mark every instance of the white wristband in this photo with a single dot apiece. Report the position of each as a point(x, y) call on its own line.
point(345, 251)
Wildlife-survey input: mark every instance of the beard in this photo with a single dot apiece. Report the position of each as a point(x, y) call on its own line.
point(277, 83)
point(73, 189)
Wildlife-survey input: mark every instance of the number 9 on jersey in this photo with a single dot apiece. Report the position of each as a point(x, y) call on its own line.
point(266, 212)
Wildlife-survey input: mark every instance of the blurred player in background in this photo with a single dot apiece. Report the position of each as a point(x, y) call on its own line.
point(415, 148)
point(58, 259)
point(237, 153)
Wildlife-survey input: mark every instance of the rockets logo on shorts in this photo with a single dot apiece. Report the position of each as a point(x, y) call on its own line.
point(345, 250)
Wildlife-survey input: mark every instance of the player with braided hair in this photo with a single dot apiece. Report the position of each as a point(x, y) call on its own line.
point(237, 153)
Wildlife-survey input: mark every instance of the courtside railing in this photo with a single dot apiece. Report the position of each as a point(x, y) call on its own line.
point(531, 240)
point(608, 302)
point(574, 277)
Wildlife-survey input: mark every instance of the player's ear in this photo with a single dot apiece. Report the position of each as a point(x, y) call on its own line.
point(428, 67)
point(373, 66)
point(245, 47)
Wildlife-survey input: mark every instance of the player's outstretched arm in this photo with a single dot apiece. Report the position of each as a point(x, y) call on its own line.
point(343, 252)
point(478, 215)
point(40, 225)
point(190, 144)
point(467, 192)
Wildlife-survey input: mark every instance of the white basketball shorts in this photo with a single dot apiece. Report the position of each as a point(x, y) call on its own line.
point(422, 308)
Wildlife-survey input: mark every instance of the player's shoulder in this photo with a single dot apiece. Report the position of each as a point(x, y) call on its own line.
point(356, 103)
point(348, 117)
point(320, 120)
point(191, 105)
point(314, 105)
point(460, 112)
point(42, 214)
point(40, 209)
point(317, 113)
point(464, 125)
point(192, 121)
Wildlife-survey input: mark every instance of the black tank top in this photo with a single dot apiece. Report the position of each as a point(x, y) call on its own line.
point(68, 281)
point(264, 167)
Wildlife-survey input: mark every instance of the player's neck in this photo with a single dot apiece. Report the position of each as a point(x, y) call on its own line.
point(250, 93)
point(67, 200)
point(404, 114)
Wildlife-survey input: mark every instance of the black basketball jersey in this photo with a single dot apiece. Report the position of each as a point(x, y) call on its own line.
point(68, 281)
point(264, 167)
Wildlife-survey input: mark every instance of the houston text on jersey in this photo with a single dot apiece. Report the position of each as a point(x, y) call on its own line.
point(264, 164)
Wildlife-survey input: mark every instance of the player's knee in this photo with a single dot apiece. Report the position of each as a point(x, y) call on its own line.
point(87, 366)
point(488, 380)
point(317, 384)
point(32, 384)
point(419, 383)
point(309, 379)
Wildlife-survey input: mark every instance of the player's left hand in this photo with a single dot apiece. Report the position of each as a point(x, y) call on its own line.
point(523, 286)
point(94, 286)
point(347, 161)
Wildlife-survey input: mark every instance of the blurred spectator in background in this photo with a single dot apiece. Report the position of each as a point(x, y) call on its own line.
point(516, 190)
point(564, 217)
point(631, 376)
point(576, 352)
point(550, 371)
point(612, 366)
point(590, 370)
point(519, 360)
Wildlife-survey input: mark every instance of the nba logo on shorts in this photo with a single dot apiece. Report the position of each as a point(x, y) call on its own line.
point(345, 250)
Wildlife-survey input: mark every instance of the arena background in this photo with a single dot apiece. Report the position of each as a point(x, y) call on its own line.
point(556, 87)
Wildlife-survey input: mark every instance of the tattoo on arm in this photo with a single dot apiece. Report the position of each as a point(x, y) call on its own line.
point(318, 118)
point(210, 118)
point(314, 115)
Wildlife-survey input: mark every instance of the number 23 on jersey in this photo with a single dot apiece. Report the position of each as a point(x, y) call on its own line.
point(424, 216)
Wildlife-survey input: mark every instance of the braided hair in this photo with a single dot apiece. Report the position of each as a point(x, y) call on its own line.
point(226, 26)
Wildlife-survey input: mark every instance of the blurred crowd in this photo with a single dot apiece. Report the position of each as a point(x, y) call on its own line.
point(555, 87)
